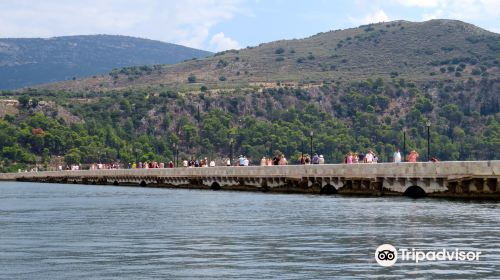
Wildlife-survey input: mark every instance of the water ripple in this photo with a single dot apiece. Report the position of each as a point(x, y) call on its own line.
point(72, 231)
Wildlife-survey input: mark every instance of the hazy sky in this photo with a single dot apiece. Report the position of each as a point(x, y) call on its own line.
point(225, 24)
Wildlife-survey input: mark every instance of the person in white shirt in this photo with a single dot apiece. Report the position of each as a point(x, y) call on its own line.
point(397, 156)
point(263, 161)
point(369, 157)
point(321, 159)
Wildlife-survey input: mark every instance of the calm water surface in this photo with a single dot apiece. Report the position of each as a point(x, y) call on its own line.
point(73, 231)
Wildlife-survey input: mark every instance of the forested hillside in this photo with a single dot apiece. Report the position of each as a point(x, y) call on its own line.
point(142, 118)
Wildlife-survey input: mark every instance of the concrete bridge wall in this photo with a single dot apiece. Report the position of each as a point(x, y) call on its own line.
point(452, 179)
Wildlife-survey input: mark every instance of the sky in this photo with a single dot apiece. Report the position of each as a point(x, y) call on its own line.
point(218, 25)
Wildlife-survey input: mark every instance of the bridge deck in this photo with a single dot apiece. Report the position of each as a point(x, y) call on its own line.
point(468, 179)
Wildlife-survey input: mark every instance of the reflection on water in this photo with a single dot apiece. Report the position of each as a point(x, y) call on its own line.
point(68, 231)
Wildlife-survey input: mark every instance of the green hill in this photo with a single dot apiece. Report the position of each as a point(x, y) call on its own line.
point(25, 62)
point(355, 89)
point(416, 51)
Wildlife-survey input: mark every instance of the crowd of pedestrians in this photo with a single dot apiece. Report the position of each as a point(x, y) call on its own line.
point(278, 159)
point(369, 157)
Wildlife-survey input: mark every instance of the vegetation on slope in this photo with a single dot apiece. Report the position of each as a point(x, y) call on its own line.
point(431, 50)
point(445, 72)
point(140, 125)
point(25, 62)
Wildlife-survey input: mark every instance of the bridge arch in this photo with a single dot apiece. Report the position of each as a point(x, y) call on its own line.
point(143, 183)
point(328, 189)
point(215, 186)
point(414, 192)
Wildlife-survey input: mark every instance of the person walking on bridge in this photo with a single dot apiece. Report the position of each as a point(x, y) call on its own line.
point(369, 157)
point(321, 159)
point(349, 158)
point(413, 156)
point(276, 160)
point(283, 160)
point(396, 156)
point(315, 159)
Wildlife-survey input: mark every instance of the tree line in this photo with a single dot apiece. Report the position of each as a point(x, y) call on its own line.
point(154, 124)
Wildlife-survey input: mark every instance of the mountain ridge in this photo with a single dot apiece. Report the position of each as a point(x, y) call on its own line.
point(394, 49)
point(29, 61)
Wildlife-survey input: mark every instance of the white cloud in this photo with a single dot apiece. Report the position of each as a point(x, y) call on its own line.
point(222, 43)
point(492, 6)
point(434, 15)
point(187, 22)
point(376, 17)
point(455, 9)
point(475, 9)
point(422, 3)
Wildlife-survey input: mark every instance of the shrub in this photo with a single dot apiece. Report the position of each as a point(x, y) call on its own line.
point(222, 78)
point(476, 72)
point(279, 51)
point(222, 63)
point(172, 94)
point(475, 39)
point(192, 78)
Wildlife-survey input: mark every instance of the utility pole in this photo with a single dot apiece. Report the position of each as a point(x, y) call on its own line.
point(428, 140)
point(404, 144)
point(312, 135)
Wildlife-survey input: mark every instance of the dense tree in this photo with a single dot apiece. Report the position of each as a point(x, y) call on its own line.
point(144, 125)
point(24, 101)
